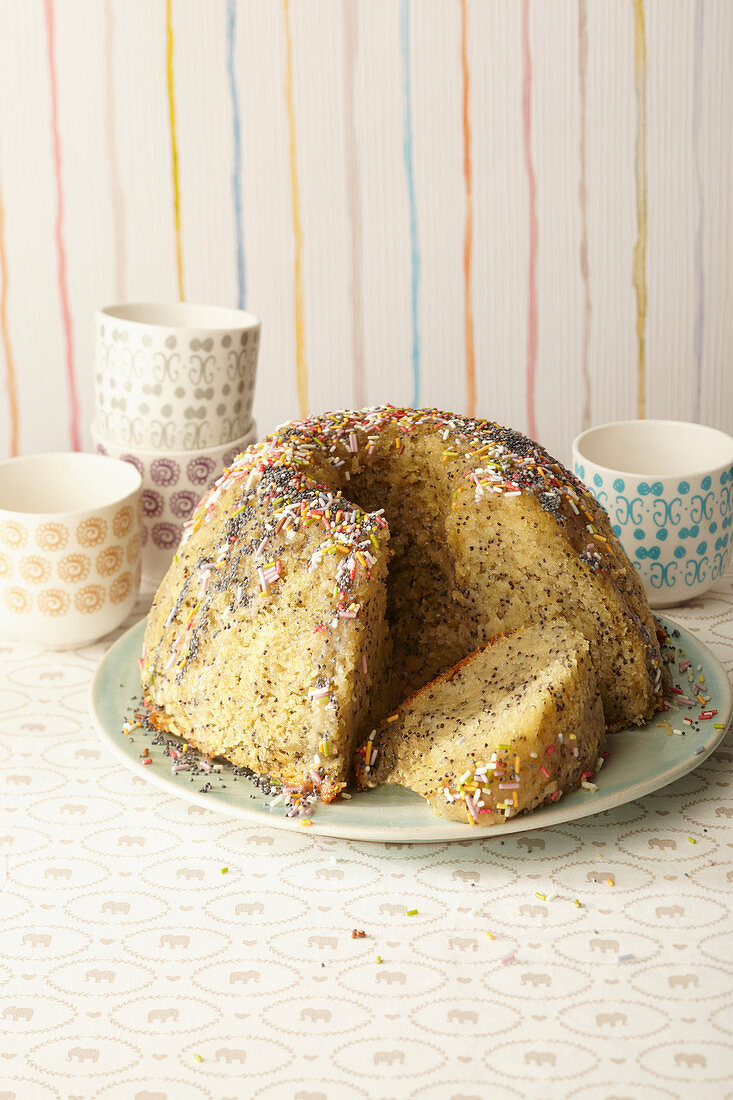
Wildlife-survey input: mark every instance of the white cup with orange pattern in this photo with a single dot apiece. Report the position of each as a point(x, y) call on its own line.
point(70, 547)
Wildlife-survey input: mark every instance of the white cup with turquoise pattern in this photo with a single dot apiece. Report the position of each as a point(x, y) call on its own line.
point(668, 489)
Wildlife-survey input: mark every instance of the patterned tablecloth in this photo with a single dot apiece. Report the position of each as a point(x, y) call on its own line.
point(132, 966)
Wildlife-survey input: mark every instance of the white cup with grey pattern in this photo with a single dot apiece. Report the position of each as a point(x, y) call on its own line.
point(174, 375)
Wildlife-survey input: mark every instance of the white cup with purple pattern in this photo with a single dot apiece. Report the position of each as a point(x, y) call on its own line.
point(668, 489)
point(173, 483)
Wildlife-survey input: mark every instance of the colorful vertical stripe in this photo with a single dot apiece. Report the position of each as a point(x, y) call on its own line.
point(115, 184)
point(10, 384)
point(59, 232)
point(699, 252)
point(468, 236)
point(301, 370)
point(287, 138)
point(237, 168)
point(583, 199)
point(533, 232)
point(410, 174)
point(353, 200)
point(639, 266)
point(174, 146)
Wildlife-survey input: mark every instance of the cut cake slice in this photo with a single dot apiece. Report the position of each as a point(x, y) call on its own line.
point(515, 724)
point(250, 655)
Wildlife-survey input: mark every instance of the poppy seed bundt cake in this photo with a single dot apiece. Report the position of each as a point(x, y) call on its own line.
point(515, 724)
point(348, 559)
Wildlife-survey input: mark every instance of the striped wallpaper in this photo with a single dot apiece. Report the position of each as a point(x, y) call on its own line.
point(509, 207)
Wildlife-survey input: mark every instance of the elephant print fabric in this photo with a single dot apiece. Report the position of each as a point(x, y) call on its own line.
point(131, 966)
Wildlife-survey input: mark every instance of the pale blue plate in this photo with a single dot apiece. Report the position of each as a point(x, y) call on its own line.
point(642, 760)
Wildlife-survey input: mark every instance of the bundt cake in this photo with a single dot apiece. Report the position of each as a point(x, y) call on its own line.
point(348, 559)
point(513, 725)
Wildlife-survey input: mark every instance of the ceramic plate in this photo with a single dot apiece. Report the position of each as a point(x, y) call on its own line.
point(641, 761)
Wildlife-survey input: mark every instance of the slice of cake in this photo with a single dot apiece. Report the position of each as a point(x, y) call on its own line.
point(264, 638)
point(515, 724)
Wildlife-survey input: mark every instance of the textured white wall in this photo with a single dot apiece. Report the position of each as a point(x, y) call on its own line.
point(369, 151)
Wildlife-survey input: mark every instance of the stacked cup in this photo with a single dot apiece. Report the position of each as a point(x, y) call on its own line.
point(173, 387)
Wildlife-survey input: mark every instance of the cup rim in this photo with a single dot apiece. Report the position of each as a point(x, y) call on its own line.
point(168, 452)
point(680, 424)
point(221, 318)
point(83, 457)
